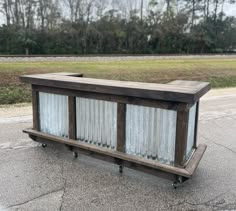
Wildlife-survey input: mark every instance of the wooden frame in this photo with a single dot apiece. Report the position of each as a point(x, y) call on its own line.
point(121, 158)
point(188, 93)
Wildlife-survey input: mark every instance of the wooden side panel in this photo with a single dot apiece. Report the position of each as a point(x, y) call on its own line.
point(72, 117)
point(181, 137)
point(35, 107)
point(121, 114)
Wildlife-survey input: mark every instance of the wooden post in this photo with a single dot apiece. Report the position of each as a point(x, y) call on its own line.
point(121, 113)
point(196, 125)
point(35, 107)
point(72, 117)
point(181, 137)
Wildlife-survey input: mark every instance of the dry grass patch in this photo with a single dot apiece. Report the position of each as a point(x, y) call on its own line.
point(220, 72)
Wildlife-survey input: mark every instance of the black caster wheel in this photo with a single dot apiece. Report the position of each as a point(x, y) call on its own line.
point(44, 145)
point(75, 154)
point(121, 169)
point(175, 184)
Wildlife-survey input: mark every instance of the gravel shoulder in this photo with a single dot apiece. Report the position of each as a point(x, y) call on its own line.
point(14, 110)
point(110, 58)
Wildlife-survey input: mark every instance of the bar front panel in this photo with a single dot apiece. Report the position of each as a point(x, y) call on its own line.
point(96, 122)
point(53, 114)
point(151, 132)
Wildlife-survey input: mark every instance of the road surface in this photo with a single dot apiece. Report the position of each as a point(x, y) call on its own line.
point(36, 178)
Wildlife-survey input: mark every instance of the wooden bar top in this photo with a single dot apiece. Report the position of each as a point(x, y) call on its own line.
point(177, 91)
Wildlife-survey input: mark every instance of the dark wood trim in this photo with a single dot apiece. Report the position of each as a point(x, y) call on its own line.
point(68, 74)
point(120, 156)
point(201, 87)
point(190, 168)
point(195, 159)
point(114, 98)
point(128, 164)
point(72, 117)
point(196, 125)
point(35, 107)
point(121, 115)
point(201, 91)
point(181, 137)
point(166, 92)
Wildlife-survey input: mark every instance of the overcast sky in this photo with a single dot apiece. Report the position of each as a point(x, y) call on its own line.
point(229, 9)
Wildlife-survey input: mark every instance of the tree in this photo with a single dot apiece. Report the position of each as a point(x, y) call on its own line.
point(115, 26)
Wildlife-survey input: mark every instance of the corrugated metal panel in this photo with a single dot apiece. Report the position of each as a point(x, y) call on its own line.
point(53, 114)
point(150, 133)
point(96, 122)
point(191, 127)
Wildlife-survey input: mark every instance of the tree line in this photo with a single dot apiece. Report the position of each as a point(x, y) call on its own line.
point(116, 26)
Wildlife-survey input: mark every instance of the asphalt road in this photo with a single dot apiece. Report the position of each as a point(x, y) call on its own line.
point(36, 178)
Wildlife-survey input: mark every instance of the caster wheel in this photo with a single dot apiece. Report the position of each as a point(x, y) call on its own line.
point(44, 145)
point(75, 154)
point(121, 169)
point(175, 184)
point(180, 180)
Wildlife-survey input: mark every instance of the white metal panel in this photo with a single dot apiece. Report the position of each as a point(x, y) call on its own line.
point(96, 122)
point(191, 130)
point(150, 133)
point(53, 114)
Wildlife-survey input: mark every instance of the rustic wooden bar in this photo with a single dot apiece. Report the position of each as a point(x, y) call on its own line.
point(145, 126)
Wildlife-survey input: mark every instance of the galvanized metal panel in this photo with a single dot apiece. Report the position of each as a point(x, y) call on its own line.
point(53, 114)
point(191, 130)
point(150, 133)
point(96, 122)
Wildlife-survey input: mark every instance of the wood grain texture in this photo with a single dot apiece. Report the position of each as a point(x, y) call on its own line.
point(111, 153)
point(181, 137)
point(114, 98)
point(195, 159)
point(130, 161)
point(167, 92)
point(35, 107)
point(200, 87)
point(110, 159)
point(121, 114)
point(72, 117)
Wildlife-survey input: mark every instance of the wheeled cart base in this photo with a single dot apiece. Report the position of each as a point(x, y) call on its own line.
point(148, 127)
point(177, 175)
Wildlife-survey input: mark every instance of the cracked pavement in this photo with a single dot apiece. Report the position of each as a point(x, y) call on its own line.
point(36, 178)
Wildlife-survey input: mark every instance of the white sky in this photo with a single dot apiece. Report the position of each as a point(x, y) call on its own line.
point(229, 9)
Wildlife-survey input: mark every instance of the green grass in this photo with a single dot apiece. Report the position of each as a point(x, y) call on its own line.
point(220, 72)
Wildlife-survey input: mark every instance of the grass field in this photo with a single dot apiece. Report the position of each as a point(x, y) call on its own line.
point(220, 72)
